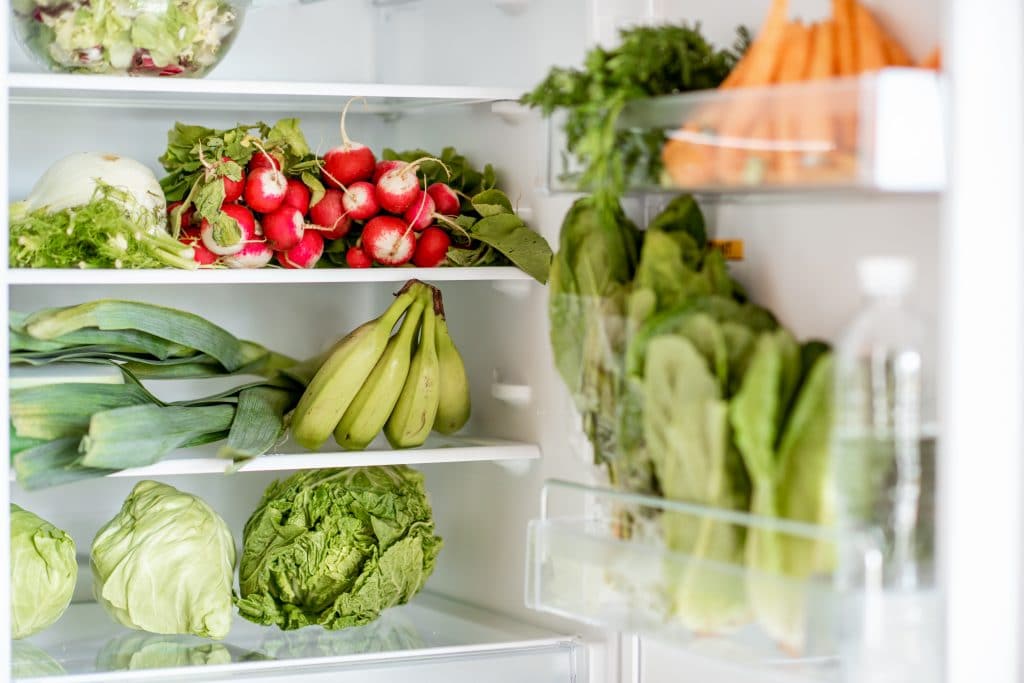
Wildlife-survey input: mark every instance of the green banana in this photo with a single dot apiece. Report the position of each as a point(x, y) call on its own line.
point(411, 420)
point(336, 383)
point(453, 404)
point(373, 404)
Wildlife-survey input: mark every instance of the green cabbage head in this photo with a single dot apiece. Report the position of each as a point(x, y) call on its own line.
point(165, 564)
point(336, 547)
point(43, 572)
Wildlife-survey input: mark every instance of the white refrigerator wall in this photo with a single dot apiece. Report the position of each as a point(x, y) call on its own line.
point(800, 252)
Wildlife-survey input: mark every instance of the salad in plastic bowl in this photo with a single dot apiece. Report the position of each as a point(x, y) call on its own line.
point(137, 37)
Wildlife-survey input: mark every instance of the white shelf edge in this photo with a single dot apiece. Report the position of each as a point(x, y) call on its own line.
point(275, 276)
point(41, 88)
point(469, 450)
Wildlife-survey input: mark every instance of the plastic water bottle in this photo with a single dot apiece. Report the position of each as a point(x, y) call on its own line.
point(884, 483)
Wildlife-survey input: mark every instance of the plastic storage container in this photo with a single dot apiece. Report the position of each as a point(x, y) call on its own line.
point(135, 37)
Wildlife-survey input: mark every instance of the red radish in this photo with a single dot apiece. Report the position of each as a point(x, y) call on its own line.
point(431, 248)
point(383, 167)
point(329, 216)
point(421, 214)
point(283, 228)
point(187, 215)
point(328, 210)
point(265, 189)
point(445, 199)
point(360, 201)
point(398, 188)
point(200, 254)
point(389, 240)
point(226, 243)
point(232, 188)
point(339, 230)
point(297, 195)
point(253, 255)
point(355, 257)
point(263, 159)
point(349, 162)
point(305, 254)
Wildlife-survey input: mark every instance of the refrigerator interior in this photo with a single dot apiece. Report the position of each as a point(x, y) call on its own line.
point(800, 256)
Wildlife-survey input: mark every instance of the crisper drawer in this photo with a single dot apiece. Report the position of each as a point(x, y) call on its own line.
point(688, 577)
point(431, 639)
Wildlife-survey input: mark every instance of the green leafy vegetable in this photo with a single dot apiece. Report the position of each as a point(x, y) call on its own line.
point(43, 573)
point(649, 61)
point(686, 427)
point(100, 234)
point(371, 529)
point(165, 564)
point(589, 285)
point(507, 234)
point(782, 419)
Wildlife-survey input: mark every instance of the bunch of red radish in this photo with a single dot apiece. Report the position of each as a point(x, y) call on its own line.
point(382, 199)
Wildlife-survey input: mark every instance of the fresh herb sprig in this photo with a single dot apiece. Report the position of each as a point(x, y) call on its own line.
point(649, 61)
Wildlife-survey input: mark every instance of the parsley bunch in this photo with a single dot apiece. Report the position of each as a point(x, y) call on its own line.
point(650, 61)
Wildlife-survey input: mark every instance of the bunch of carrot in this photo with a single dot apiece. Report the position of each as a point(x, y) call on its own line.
point(787, 136)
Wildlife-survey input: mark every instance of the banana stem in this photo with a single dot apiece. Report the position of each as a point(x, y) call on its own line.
point(406, 286)
point(438, 303)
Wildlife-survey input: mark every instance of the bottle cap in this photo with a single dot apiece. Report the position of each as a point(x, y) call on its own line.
point(885, 275)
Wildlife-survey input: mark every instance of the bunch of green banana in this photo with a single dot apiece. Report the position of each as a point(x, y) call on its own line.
point(406, 384)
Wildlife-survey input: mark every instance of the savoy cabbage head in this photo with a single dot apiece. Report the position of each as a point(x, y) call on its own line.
point(336, 547)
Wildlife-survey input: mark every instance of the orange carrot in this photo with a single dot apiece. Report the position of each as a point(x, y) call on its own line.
point(895, 55)
point(822, 62)
point(870, 40)
point(846, 42)
point(786, 109)
point(816, 120)
point(738, 73)
point(933, 60)
point(764, 53)
point(795, 55)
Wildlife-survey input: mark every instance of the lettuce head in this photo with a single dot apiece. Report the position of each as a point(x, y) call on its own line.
point(43, 572)
point(336, 547)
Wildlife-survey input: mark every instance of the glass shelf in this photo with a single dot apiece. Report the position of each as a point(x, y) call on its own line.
point(430, 639)
point(880, 132)
point(680, 573)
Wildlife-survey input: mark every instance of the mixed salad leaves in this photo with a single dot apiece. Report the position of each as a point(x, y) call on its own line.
point(165, 38)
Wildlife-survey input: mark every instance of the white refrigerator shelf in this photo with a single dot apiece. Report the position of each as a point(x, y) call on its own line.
point(432, 639)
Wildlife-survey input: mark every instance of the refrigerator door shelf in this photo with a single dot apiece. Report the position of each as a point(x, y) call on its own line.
point(881, 132)
point(679, 573)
